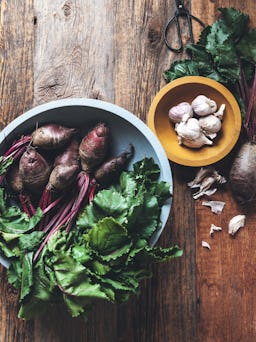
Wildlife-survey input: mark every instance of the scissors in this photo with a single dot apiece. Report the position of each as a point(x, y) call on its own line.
point(180, 12)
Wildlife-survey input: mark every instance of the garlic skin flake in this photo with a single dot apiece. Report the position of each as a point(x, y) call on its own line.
point(206, 244)
point(204, 180)
point(216, 206)
point(202, 105)
point(176, 113)
point(235, 224)
point(214, 228)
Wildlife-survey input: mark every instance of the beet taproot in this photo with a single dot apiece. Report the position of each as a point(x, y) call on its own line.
point(34, 170)
point(243, 174)
point(110, 170)
point(94, 147)
point(52, 136)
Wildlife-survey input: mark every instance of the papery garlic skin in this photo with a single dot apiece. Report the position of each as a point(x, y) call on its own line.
point(210, 124)
point(202, 105)
point(176, 113)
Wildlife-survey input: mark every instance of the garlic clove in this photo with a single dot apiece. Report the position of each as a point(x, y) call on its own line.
point(206, 245)
point(211, 135)
point(220, 112)
point(210, 124)
point(198, 142)
point(235, 224)
point(214, 228)
point(176, 113)
point(202, 105)
point(216, 206)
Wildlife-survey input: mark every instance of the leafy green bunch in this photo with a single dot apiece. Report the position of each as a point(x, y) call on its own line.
point(225, 52)
point(103, 258)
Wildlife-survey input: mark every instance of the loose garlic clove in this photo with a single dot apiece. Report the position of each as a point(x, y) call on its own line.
point(177, 113)
point(235, 224)
point(214, 228)
point(210, 124)
point(202, 105)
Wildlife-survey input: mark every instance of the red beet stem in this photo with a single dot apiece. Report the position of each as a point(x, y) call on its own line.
point(27, 205)
point(250, 123)
point(22, 142)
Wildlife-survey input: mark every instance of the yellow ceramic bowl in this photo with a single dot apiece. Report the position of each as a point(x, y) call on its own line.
point(186, 89)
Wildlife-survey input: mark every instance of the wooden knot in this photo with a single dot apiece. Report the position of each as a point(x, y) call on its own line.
point(67, 8)
point(12, 293)
point(52, 85)
point(97, 94)
point(154, 33)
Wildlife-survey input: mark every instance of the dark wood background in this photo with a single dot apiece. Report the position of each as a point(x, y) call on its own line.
point(113, 50)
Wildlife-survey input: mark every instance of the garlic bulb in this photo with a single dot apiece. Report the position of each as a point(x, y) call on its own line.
point(176, 113)
point(189, 129)
point(202, 105)
point(210, 124)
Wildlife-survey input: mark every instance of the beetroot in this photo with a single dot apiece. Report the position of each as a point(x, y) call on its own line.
point(52, 136)
point(243, 174)
point(109, 171)
point(243, 170)
point(94, 147)
point(34, 170)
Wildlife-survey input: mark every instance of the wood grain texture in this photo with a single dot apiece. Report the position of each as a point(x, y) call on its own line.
point(16, 95)
point(16, 58)
point(114, 51)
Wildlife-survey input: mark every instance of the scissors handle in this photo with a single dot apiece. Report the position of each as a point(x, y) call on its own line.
point(181, 12)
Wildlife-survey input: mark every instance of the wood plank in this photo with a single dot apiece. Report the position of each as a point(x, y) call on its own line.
point(225, 274)
point(16, 44)
point(16, 95)
point(130, 60)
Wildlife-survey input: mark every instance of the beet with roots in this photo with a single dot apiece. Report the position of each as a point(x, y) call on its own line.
point(109, 171)
point(243, 174)
point(52, 136)
point(94, 147)
point(34, 170)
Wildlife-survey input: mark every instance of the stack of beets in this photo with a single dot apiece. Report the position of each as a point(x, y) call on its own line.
point(55, 170)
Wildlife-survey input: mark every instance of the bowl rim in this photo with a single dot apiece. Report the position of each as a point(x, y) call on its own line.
point(219, 87)
point(166, 172)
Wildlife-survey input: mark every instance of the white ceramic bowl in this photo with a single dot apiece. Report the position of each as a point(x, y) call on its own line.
point(125, 128)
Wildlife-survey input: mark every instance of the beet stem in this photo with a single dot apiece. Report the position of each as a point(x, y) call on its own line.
point(250, 107)
point(17, 145)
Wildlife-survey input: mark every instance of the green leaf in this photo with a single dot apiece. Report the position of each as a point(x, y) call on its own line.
point(14, 273)
point(182, 68)
point(236, 21)
point(247, 46)
point(27, 275)
point(107, 236)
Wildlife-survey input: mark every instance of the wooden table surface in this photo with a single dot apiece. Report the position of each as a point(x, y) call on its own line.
point(114, 50)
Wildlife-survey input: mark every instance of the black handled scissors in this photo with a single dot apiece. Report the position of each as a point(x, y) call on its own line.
point(180, 12)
